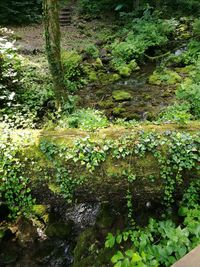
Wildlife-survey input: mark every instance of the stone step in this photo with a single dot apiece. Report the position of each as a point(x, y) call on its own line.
point(65, 19)
point(192, 259)
point(65, 16)
point(65, 13)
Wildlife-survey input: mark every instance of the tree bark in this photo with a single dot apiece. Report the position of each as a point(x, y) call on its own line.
point(53, 48)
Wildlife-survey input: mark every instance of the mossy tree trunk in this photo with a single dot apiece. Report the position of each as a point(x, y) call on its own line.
point(53, 48)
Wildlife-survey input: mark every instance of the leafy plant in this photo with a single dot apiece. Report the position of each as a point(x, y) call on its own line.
point(72, 70)
point(86, 119)
point(178, 113)
point(14, 186)
point(160, 243)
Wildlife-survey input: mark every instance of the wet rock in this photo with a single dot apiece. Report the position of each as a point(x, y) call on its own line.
point(106, 104)
point(26, 232)
point(125, 71)
point(121, 95)
point(59, 230)
point(117, 111)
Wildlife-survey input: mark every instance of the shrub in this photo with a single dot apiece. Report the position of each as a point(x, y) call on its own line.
point(191, 94)
point(139, 36)
point(196, 28)
point(10, 73)
point(86, 119)
point(72, 70)
point(92, 51)
point(179, 113)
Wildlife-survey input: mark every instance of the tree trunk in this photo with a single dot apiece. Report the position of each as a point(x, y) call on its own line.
point(53, 49)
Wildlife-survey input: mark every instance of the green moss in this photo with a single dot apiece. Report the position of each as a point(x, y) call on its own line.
point(87, 252)
point(98, 63)
point(185, 70)
point(93, 76)
point(125, 71)
point(106, 104)
point(54, 188)
point(121, 95)
point(59, 230)
point(87, 236)
point(118, 110)
point(133, 65)
point(39, 210)
point(114, 77)
point(105, 218)
point(166, 77)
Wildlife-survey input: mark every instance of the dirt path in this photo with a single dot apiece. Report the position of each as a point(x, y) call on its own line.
point(78, 35)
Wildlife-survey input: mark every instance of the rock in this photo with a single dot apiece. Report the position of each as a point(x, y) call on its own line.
point(121, 95)
point(118, 110)
point(106, 104)
point(103, 52)
point(125, 71)
point(59, 230)
point(100, 42)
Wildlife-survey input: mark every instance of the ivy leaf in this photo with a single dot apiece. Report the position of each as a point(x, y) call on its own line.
point(117, 257)
point(110, 241)
point(136, 258)
point(119, 239)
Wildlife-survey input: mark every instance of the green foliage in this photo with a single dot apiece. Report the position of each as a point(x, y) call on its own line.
point(73, 72)
point(25, 87)
point(94, 7)
point(10, 72)
point(160, 243)
point(137, 37)
point(196, 28)
point(14, 186)
point(92, 51)
point(191, 94)
point(164, 77)
point(86, 119)
point(20, 12)
point(179, 113)
point(181, 153)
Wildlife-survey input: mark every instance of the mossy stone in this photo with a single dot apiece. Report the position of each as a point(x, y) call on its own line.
point(166, 77)
point(54, 188)
point(59, 230)
point(118, 110)
point(39, 210)
point(121, 95)
point(85, 238)
point(106, 104)
point(125, 71)
point(98, 63)
point(105, 217)
point(93, 76)
point(133, 65)
point(114, 77)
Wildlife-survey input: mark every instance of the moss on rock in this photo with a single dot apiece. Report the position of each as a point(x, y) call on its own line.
point(166, 77)
point(59, 230)
point(121, 95)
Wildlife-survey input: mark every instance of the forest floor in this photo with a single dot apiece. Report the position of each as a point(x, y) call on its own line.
point(75, 36)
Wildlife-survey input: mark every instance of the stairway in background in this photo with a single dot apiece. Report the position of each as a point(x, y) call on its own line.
point(65, 16)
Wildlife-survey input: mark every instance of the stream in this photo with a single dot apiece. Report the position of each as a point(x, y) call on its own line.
point(145, 101)
point(26, 245)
